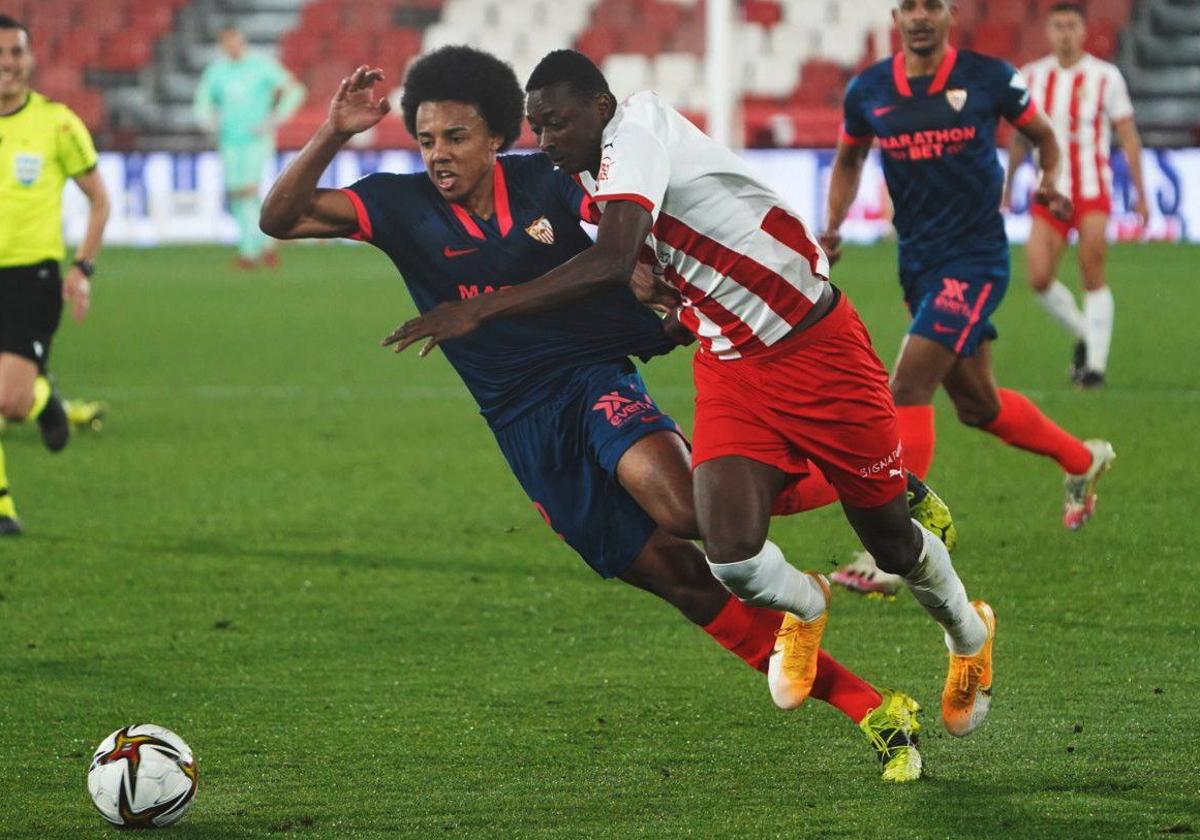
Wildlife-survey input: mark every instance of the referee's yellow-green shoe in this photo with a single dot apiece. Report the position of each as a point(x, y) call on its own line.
point(86, 414)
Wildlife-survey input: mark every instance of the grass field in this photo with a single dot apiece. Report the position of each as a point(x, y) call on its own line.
point(307, 557)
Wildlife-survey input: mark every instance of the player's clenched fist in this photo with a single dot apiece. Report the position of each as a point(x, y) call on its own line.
point(1058, 204)
point(354, 107)
point(831, 243)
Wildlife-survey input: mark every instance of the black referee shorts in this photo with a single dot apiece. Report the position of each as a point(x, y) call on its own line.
point(30, 308)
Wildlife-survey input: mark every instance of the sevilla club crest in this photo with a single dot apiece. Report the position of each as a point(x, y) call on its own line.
point(541, 230)
point(957, 97)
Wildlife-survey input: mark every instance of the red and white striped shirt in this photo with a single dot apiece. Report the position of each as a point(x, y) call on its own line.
point(1082, 102)
point(746, 266)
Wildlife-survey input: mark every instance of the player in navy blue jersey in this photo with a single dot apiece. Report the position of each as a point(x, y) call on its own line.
point(604, 465)
point(934, 110)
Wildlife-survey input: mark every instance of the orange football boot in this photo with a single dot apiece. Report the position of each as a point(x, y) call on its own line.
point(793, 664)
point(967, 695)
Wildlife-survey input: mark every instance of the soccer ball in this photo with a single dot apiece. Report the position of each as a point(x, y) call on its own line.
point(142, 776)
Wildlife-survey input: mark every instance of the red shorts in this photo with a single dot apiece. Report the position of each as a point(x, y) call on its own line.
point(1083, 207)
point(821, 396)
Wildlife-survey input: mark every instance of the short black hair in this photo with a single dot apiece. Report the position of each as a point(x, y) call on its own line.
point(570, 67)
point(1066, 6)
point(7, 22)
point(465, 74)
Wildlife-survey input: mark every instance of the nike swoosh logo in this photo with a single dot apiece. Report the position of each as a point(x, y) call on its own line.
point(450, 253)
point(886, 109)
point(941, 329)
point(651, 418)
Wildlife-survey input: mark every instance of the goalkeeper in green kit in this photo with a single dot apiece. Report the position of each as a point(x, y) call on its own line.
point(243, 97)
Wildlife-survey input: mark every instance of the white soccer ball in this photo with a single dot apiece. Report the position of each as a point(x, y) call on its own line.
point(143, 776)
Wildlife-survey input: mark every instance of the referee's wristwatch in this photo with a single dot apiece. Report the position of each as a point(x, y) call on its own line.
point(86, 266)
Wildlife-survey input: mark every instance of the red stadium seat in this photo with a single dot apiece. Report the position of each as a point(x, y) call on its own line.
point(48, 19)
point(1013, 12)
point(324, 78)
point(665, 16)
point(322, 16)
point(300, 49)
point(303, 124)
point(352, 47)
point(598, 43)
point(151, 16)
point(103, 17)
point(79, 47)
point(59, 80)
point(763, 12)
point(368, 17)
point(391, 134)
point(88, 105)
point(821, 83)
point(995, 38)
point(127, 51)
point(1101, 38)
point(1116, 12)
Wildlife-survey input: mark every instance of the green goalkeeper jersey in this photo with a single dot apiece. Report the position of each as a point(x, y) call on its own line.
point(246, 98)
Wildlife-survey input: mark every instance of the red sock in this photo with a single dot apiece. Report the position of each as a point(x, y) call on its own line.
point(1022, 425)
point(917, 435)
point(843, 689)
point(805, 493)
point(749, 632)
point(746, 631)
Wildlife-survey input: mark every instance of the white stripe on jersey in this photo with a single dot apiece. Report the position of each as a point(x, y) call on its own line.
point(1082, 102)
point(747, 265)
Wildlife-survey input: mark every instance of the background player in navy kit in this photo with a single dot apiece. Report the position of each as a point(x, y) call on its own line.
point(602, 463)
point(935, 111)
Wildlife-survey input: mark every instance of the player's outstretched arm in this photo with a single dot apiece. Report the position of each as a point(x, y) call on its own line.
point(610, 262)
point(843, 187)
point(295, 208)
point(1040, 133)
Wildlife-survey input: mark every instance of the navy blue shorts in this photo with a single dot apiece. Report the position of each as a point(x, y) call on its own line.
point(565, 455)
point(953, 303)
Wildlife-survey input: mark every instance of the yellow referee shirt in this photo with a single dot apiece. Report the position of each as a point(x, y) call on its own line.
point(41, 146)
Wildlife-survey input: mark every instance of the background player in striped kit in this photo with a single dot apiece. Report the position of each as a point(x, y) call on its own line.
point(1086, 99)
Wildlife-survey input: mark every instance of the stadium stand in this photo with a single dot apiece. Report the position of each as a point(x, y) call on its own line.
point(1161, 60)
point(794, 58)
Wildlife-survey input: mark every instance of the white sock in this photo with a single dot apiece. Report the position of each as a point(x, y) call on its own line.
point(768, 580)
point(1060, 303)
point(935, 585)
point(1098, 311)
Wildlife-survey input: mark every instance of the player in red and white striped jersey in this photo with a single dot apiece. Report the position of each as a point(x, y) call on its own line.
point(1085, 99)
point(786, 380)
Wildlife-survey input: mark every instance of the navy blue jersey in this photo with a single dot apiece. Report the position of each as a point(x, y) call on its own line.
point(937, 136)
point(444, 253)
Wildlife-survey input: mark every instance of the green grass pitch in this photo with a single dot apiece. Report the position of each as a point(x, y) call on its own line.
point(307, 557)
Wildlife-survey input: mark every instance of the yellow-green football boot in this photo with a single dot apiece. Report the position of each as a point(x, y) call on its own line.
point(863, 576)
point(892, 729)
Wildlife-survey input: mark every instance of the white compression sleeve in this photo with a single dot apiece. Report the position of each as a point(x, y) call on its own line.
point(768, 580)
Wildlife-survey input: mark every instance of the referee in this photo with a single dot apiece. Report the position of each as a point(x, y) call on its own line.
point(42, 144)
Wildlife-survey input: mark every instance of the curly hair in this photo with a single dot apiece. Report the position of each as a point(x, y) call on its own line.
point(465, 74)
